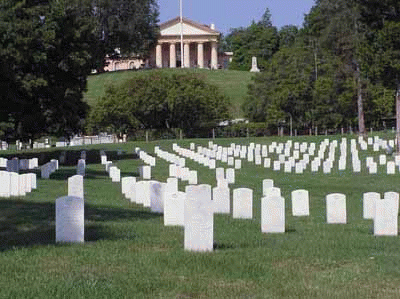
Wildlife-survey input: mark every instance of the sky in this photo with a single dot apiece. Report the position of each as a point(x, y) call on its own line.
point(226, 14)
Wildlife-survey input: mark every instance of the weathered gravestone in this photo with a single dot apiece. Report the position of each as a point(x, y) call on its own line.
point(336, 208)
point(156, 190)
point(369, 199)
point(273, 214)
point(80, 170)
point(75, 186)
point(199, 218)
point(300, 203)
point(70, 219)
point(242, 203)
point(13, 165)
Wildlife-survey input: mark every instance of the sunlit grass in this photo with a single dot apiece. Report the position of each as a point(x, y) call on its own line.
point(129, 253)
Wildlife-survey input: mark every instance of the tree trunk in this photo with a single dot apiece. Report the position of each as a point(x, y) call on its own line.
point(398, 119)
point(361, 122)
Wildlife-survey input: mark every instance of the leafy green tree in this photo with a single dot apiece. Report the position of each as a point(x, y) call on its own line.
point(159, 101)
point(45, 58)
point(259, 39)
point(127, 25)
point(47, 50)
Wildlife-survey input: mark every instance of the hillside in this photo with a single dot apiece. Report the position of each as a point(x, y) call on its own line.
point(232, 83)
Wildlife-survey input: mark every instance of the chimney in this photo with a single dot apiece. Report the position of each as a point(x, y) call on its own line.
point(212, 26)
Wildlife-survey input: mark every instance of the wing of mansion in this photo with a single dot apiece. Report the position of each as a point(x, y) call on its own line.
point(200, 49)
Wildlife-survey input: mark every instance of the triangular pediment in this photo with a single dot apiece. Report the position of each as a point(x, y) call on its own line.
point(173, 28)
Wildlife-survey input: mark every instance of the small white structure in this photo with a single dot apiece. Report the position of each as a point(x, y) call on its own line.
point(254, 67)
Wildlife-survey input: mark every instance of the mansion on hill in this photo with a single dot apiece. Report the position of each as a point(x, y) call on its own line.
point(200, 49)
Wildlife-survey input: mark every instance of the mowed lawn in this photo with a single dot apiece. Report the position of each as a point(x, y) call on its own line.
point(129, 253)
point(231, 83)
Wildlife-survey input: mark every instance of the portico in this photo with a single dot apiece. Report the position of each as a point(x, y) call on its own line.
point(200, 45)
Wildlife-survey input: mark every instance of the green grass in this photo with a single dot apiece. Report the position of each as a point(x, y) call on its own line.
point(232, 83)
point(129, 253)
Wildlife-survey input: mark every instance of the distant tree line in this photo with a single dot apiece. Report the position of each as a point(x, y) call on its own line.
point(342, 68)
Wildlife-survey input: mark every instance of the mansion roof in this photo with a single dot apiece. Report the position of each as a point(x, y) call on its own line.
point(190, 28)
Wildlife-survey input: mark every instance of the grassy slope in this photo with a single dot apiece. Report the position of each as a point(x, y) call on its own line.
point(232, 83)
point(130, 254)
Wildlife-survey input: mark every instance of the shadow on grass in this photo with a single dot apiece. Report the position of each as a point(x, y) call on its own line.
point(24, 223)
point(64, 174)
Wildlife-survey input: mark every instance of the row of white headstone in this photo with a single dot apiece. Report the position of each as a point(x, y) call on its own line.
point(14, 184)
point(15, 164)
point(335, 204)
point(290, 160)
point(48, 168)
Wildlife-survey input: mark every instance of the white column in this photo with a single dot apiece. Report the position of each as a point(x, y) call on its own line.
point(214, 56)
point(186, 52)
point(200, 55)
point(172, 56)
point(159, 56)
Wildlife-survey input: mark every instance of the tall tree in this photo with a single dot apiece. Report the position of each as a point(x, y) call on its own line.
point(260, 39)
point(47, 50)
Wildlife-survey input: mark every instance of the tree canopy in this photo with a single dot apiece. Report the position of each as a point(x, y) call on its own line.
point(47, 50)
point(159, 101)
point(342, 64)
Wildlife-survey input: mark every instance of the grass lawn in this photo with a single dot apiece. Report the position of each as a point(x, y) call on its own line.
point(129, 253)
point(232, 83)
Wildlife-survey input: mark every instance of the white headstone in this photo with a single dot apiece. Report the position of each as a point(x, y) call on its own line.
point(230, 175)
point(22, 185)
point(267, 183)
point(242, 203)
point(5, 184)
point(145, 172)
point(70, 219)
point(336, 208)
point(192, 177)
point(300, 203)
point(238, 164)
point(14, 184)
point(386, 217)
point(33, 180)
point(174, 206)
point(75, 186)
point(391, 167)
point(199, 218)
point(221, 199)
point(273, 214)
point(369, 199)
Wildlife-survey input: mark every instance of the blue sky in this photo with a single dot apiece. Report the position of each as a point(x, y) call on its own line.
point(226, 14)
